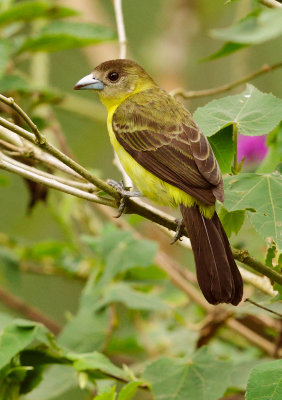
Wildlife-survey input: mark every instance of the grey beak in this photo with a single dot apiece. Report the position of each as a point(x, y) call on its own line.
point(89, 82)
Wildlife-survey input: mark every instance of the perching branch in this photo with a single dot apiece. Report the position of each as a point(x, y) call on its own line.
point(271, 3)
point(224, 88)
point(133, 207)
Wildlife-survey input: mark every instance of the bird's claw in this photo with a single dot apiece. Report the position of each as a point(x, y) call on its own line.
point(178, 232)
point(125, 194)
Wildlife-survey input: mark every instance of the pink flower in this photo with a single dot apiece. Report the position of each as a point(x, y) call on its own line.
point(253, 148)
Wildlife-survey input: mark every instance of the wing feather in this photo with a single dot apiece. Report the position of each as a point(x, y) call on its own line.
point(160, 134)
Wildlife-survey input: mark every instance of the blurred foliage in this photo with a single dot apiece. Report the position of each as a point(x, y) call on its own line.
point(128, 332)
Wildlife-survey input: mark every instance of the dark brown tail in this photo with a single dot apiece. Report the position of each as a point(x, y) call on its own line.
point(217, 272)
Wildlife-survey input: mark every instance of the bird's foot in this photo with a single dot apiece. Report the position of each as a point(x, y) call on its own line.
point(125, 194)
point(179, 231)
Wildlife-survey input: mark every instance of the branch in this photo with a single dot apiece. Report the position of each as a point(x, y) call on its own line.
point(264, 308)
point(244, 257)
point(50, 182)
point(25, 309)
point(11, 102)
point(61, 156)
point(224, 88)
point(120, 28)
point(271, 3)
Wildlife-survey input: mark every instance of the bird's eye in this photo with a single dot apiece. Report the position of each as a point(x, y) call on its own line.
point(113, 76)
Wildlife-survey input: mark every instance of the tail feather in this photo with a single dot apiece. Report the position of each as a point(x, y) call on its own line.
point(217, 272)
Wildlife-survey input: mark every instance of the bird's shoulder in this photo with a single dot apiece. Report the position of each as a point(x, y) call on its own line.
point(154, 105)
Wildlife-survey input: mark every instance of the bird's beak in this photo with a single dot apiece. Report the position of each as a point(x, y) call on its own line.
point(89, 82)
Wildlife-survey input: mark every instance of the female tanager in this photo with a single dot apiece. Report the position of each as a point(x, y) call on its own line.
point(172, 163)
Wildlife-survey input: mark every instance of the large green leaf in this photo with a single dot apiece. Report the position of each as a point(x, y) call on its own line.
point(30, 10)
point(261, 195)
point(20, 334)
point(202, 377)
point(133, 299)
point(257, 27)
point(255, 113)
point(265, 382)
point(67, 35)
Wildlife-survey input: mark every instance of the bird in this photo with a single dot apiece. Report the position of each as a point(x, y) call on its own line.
point(171, 162)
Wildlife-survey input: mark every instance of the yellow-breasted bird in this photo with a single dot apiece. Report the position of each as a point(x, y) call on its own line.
point(172, 163)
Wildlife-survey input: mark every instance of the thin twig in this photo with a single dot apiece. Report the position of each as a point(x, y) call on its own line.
point(11, 102)
point(271, 3)
point(85, 186)
point(120, 28)
point(62, 157)
point(224, 88)
point(264, 308)
point(28, 311)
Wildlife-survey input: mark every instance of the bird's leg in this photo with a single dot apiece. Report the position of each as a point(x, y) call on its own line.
point(125, 194)
point(179, 231)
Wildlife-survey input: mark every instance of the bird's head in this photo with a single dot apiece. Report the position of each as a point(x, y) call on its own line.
point(115, 80)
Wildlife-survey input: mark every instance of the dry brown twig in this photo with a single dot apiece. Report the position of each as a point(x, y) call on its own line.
point(192, 94)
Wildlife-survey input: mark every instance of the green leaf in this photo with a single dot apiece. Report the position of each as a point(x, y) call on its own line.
point(260, 193)
point(128, 391)
point(30, 10)
point(86, 331)
point(255, 113)
point(67, 35)
point(223, 148)
point(257, 27)
point(133, 299)
point(5, 52)
point(265, 381)
point(232, 221)
point(96, 362)
point(18, 335)
point(127, 254)
point(202, 377)
point(227, 49)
